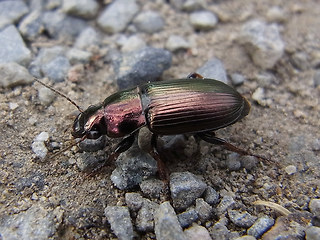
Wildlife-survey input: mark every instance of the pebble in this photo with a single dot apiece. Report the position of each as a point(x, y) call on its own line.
point(188, 5)
point(13, 49)
point(145, 216)
point(203, 20)
point(133, 43)
point(75, 56)
point(166, 226)
point(134, 201)
point(132, 167)
point(151, 188)
point(245, 237)
point(38, 146)
point(291, 169)
point(87, 162)
point(149, 22)
point(204, 210)
point(313, 233)
point(185, 188)
point(233, 162)
point(316, 78)
point(262, 225)
point(276, 14)
point(188, 217)
point(120, 221)
point(93, 145)
point(81, 8)
point(13, 105)
point(141, 66)
point(87, 38)
point(12, 74)
point(11, 11)
point(197, 232)
point(176, 43)
point(241, 219)
point(263, 42)
point(237, 79)
point(61, 26)
point(211, 196)
point(227, 202)
point(300, 60)
point(248, 162)
point(314, 206)
point(46, 96)
point(57, 69)
point(214, 69)
point(117, 15)
point(31, 26)
point(221, 232)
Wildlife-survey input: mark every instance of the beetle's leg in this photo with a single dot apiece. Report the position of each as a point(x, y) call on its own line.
point(195, 75)
point(211, 138)
point(162, 170)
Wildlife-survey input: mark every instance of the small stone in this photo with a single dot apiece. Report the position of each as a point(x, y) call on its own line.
point(185, 188)
point(42, 137)
point(93, 145)
point(258, 95)
point(203, 20)
point(166, 224)
point(233, 163)
point(38, 146)
point(188, 217)
point(132, 167)
point(203, 209)
point(78, 56)
point(220, 231)
point(46, 96)
point(133, 43)
point(314, 206)
point(152, 188)
point(276, 14)
point(248, 162)
point(87, 38)
point(193, 5)
point(134, 201)
point(176, 43)
point(211, 196)
point(12, 74)
point(117, 15)
point(226, 203)
point(57, 69)
point(13, 49)
point(214, 69)
point(31, 26)
point(81, 8)
point(300, 60)
point(87, 162)
point(262, 225)
point(120, 221)
point(237, 79)
point(291, 169)
point(145, 217)
point(313, 233)
point(263, 42)
point(13, 105)
point(245, 237)
point(11, 11)
point(141, 66)
point(241, 219)
point(197, 232)
point(149, 22)
point(316, 78)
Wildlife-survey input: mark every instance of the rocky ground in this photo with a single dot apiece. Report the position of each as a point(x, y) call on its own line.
point(268, 50)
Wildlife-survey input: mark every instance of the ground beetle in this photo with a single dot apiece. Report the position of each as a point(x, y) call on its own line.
point(192, 105)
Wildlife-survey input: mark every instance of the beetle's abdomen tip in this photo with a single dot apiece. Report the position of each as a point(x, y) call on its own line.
point(246, 107)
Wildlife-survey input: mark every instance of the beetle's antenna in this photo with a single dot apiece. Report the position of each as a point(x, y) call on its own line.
point(61, 94)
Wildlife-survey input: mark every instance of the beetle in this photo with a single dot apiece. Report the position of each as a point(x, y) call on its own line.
point(195, 105)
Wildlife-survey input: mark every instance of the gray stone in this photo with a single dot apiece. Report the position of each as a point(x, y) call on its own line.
point(149, 22)
point(34, 223)
point(11, 11)
point(185, 188)
point(241, 219)
point(145, 217)
point(78, 56)
point(134, 201)
point(31, 26)
point(120, 221)
point(300, 60)
point(248, 162)
point(133, 43)
point(204, 210)
point(13, 48)
point(87, 162)
point(214, 69)
point(203, 20)
point(276, 14)
point(167, 226)
point(211, 196)
point(197, 232)
point(152, 188)
point(132, 167)
point(13, 74)
point(57, 69)
point(116, 16)
point(262, 225)
point(237, 79)
point(193, 5)
point(46, 96)
point(233, 163)
point(245, 237)
point(87, 38)
point(316, 78)
point(314, 206)
point(263, 43)
point(61, 26)
point(93, 145)
point(226, 203)
point(141, 66)
point(176, 43)
point(38, 146)
point(313, 233)
point(221, 232)
point(81, 8)
point(188, 217)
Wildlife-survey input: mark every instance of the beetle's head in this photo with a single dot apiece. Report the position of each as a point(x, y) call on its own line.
point(90, 123)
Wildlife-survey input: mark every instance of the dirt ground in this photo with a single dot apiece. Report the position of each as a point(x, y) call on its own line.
point(287, 130)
